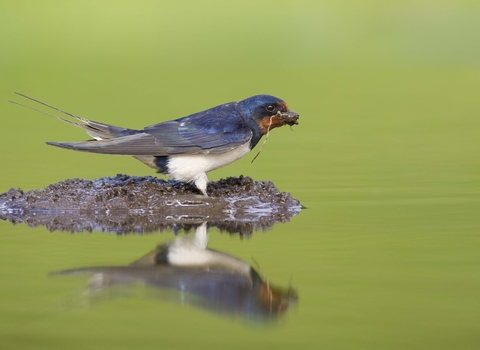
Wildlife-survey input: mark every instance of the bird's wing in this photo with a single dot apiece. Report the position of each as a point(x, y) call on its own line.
point(216, 130)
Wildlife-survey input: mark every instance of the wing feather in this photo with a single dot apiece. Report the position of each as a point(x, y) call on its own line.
point(216, 130)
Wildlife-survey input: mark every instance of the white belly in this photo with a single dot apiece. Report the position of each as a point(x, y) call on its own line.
point(187, 167)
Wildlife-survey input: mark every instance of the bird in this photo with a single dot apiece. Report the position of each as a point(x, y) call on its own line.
point(187, 148)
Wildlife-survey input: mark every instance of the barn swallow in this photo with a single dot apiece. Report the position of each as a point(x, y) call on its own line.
point(187, 148)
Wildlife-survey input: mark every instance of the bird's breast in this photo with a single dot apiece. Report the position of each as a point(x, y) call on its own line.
point(185, 167)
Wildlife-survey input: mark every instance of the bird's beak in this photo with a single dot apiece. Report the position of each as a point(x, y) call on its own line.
point(290, 117)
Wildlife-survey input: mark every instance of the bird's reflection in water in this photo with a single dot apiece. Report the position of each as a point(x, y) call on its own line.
point(198, 276)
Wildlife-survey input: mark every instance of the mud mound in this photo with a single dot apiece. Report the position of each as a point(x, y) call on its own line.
point(125, 204)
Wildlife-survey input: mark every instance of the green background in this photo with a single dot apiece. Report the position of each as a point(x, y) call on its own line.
point(386, 158)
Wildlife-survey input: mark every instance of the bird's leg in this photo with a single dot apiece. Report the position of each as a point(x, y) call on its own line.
point(201, 182)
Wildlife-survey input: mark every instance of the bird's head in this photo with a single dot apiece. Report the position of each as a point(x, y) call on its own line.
point(268, 112)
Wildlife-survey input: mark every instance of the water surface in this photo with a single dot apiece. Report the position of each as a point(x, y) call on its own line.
point(386, 159)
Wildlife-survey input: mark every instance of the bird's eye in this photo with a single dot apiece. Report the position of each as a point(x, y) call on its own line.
point(270, 108)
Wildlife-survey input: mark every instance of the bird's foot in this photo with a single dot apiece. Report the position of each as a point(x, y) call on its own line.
point(201, 182)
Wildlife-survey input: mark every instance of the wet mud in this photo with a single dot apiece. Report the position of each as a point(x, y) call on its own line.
point(129, 204)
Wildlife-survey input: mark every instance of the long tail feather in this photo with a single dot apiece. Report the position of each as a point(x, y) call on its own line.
point(50, 115)
point(99, 131)
point(52, 107)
